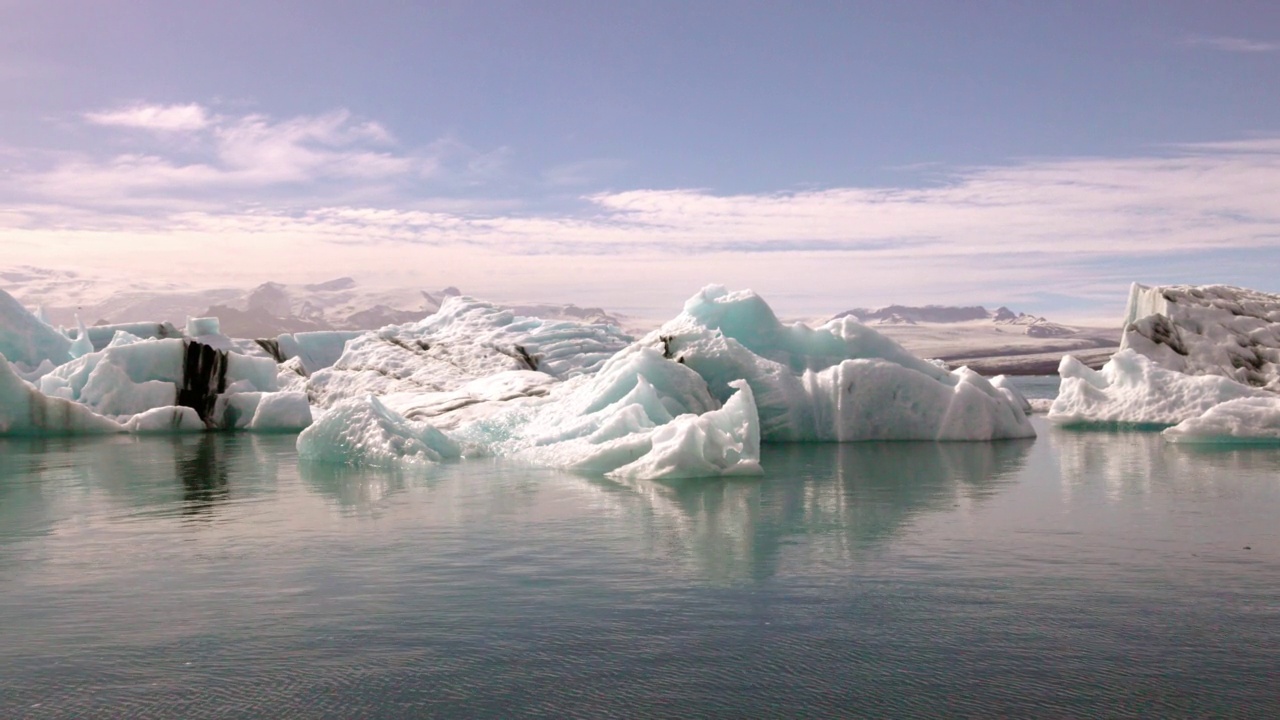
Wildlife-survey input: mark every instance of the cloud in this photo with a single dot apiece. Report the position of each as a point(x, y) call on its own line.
point(221, 158)
point(164, 118)
point(336, 194)
point(1233, 44)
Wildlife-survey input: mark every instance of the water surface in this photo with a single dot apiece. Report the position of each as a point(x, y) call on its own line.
point(213, 576)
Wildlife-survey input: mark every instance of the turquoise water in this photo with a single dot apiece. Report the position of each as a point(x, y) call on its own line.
point(1080, 574)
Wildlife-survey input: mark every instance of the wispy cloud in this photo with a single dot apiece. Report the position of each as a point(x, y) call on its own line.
point(211, 157)
point(1233, 44)
point(166, 118)
point(347, 197)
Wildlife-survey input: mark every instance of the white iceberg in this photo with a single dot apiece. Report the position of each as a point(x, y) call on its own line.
point(1246, 420)
point(693, 399)
point(315, 350)
point(1132, 390)
point(1185, 350)
point(165, 420)
point(1207, 330)
point(131, 376)
point(363, 432)
point(26, 411)
point(840, 382)
point(26, 340)
point(642, 416)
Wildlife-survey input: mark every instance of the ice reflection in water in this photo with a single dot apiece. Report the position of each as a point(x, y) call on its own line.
point(204, 476)
point(1137, 463)
point(1078, 575)
point(839, 498)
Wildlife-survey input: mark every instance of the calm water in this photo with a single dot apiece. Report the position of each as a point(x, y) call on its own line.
point(1081, 574)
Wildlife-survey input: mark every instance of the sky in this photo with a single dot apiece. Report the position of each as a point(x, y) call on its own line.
point(828, 155)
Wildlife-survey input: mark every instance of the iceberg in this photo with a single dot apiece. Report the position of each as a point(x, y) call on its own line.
point(1185, 351)
point(642, 416)
point(27, 340)
point(26, 411)
point(131, 376)
point(1244, 420)
point(362, 432)
point(314, 350)
point(1134, 391)
point(839, 382)
point(165, 420)
point(1207, 330)
point(695, 398)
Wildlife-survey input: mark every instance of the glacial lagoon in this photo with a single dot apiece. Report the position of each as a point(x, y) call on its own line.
point(215, 575)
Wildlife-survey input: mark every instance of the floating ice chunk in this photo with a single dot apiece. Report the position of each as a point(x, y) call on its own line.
point(165, 420)
point(132, 376)
point(315, 351)
point(642, 416)
point(26, 411)
point(110, 391)
point(1006, 386)
point(651, 410)
point(158, 360)
point(261, 411)
point(1207, 330)
point(1131, 389)
point(203, 326)
point(1247, 420)
point(720, 442)
point(25, 339)
point(364, 432)
point(281, 412)
point(842, 381)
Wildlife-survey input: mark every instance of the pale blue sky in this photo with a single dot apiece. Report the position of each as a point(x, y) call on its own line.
point(1039, 155)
